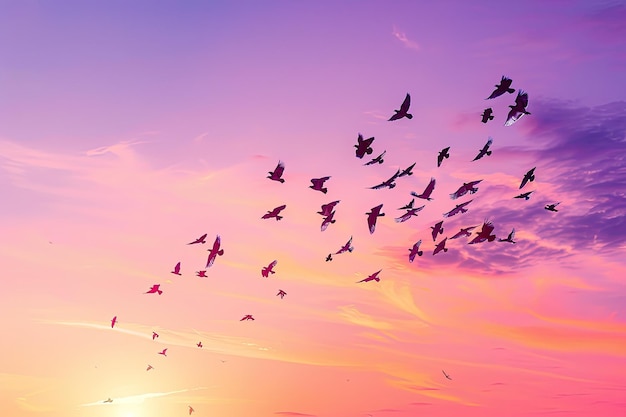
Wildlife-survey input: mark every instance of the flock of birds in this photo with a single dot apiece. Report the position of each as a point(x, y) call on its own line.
point(327, 211)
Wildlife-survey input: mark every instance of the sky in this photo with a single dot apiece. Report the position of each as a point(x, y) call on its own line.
point(130, 129)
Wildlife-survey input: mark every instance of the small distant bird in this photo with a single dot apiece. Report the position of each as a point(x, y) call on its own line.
point(277, 174)
point(247, 317)
point(328, 208)
point(463, 232)
point(199, 240)
point(346, 248)
point(372, 216)
point(460, 208)
point(404, 108)
point(487, 115)
point(444, 153)
point(415, 250)
point(108, 401)
point(373, 277)
point(409, 213)
point(154, 289)
point(363, 146)
point(266, 270)
point(518, 109)
point(441, 246)
point(163, 352)
point(509, 237)
point(437, 230)
point(427, 192)
point(176, 270)
point(274, 213)
point(503, 87)
point(552, 207)
point(113, 321)
point(484, 234)
point(191, 410)
point(318, 184)
point(329, 257)
point(328, 220)
point(446, 375)
point(215, 251)
point(525, 196)
point(467, 187)
point(199, 344)
point(388, 183)
point(407, 171)
point(408, 206)
point(485, 150)
point(154, 335)
point(201, 274)
point(528, 177)
point(149, 367)
point(379, 159)
point(281, 293)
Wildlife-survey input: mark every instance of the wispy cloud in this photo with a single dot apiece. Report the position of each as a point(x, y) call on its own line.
point(293, 414)
point(401, 36)
point(140, 398)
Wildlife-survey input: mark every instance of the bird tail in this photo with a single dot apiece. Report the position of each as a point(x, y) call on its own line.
point(409, 116)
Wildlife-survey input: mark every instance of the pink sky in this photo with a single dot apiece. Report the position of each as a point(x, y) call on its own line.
point(129, 130)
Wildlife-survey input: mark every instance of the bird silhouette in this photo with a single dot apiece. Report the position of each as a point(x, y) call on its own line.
point(528, 177)
point(277, 174)
point(437, 230)
point(281, 293)
point(415, 250)
point(372, 215)
point(404, 108)
point(485, 150)
point(446, 375)
point(154, 289)
point(460, 208)
point(201, 239)
point(176, 270)
point(329, 257)
point(154, 335)
point(215, 251)
point(274, 213)
point(503, 87)
point(267, 270)
point(149, 367)
point(441, 246)
point(247, 317)
point(409, 213)
point(390, 183)
point(163, 352)
point(518, 109)
point(113, 321)
point(373, 277)
point(552, 207)
point(407, 171)
point(363, 146)
point(525, 196)
point(328, 220)
point(444, 153)
point(109, 400)
point(378, 160)
point(486, 233)
point(201, 274)
point(487, 115)
point(318, 184)
point(328, 208)
point(346, 248)
point(191, 410)
point(509, 238)
point(199, 344)
point(427, 192)
point(463, 232)
point(467, 187)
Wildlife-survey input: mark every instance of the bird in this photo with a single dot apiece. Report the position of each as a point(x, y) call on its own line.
point(437, 229)
point(372, 216)
point(346, 248)
point(528, 177)
point(199, 240)
point(176, 270)
point(328, 220)
point(441, 246)
point(154, 335)
point(199, 344)
point(427, 192)
point(266, 270)
point(163, 352)
point(503, 87)
point(509, 237)
point(329, 257)
point(328, 208)
point(373, 277)
point(487, 115)
point(485, 150)
point(407, 171)
point(552, 207)
point(444, 153)
point(518, 109)
point(404, 108)
point(108, 401)
point(463, 232)
point(409, 213)
point(281, 293)
point(149, 367)
point(274, 213)
point(525, 196)
point(113, 321)
point(379, 159)
point(154, 289)
point(363, 146)
point(201, 274)
point(277, 174)
point(318, 184)
point(247, 317)
point(446, 375)
point(191, 410)
point(467, 187)
point(484, 234)
point(415, 250)
point(408, 206)
point(460, 208)
point(215, 251)
point(388, 183)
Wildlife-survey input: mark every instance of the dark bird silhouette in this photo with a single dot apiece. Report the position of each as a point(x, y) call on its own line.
point(503, 87)
point(407, 171)
point(163, 352)
point(328, 208)
point(266, 270)
point(446, 375)
point(328, 220)
point(201, 274)
point(247, 317)
point(415, 250)
point(274, 213)
point(149, 367)
point(487, 115)
point(277, 174)
point(552, 207)
point(191, 410)
point(281, 293)
point(372, 216)
point(346, 248)
point(509, 238)
point(463, 232)
point(373, 277)
point(409, 213)
point(363, 146)
point(404, 108)
point(154, 289)
point(113, 321)
point(437, 230)
point(408, 206)
point(528, 177)
point(525, 196)
point(441, 246)
point(444, 153)
point(318, 184)
point(467, 187)
point(201, 239)
point(390, 183)
point(154, 335)
point(460, 208)
point(329, 257)
point(485, 150)
point(215, 251)
point(427, 192)
point(199, 344)
point(486, 233)
point(379, 159)
point(108, 401)
point(176, 270)
point(518, 109)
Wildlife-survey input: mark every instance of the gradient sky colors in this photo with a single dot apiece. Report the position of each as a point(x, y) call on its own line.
point(128, 129)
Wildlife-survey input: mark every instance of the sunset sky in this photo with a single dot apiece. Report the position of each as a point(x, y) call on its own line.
point(128, 129)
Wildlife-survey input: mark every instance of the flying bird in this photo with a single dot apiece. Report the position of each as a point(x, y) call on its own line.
point(487, 115)
point(409, 213)
point(329, 257)
point(552, 207)
point(191, 410)
point(460, 208)
point(201, 274)
point(247, 317)
point(528, 177)
point(363, 146)
point(463, 232)
point(154, 335)
point(444, 153)
point(274, 213)
point(485, 150)
point(281, 293)
point(427, 192)
point(441, 246)
point(415, 250)
point(199, 344)
point(525, 196)
point(108, 401)
point(113, 321)
point(215, 251)
point(318, 184)
point(503, 87)
point(379, 159)
point(407, 171)
point(199, 240)
point(328, 220)
point(176, 270)
point(163, 352)
point(346, 248)
point(154, 289)
point(509, 237)
point(149, 367)
point(266, 270)
point(277, 174)
point(518, 109)
point(372, 216)
point(467, 187)
point(484, 234)
point(403, 112)
point(446, 375)
point(388, 183)
point(373, 277)
point(408, 206)
point(437, 230)
point(328, 208)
